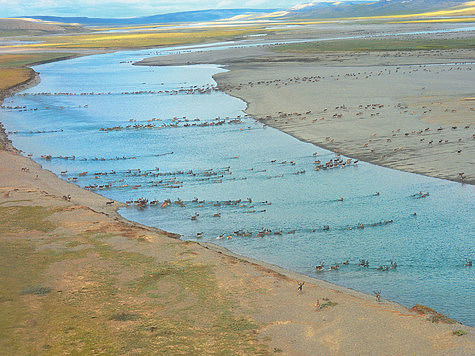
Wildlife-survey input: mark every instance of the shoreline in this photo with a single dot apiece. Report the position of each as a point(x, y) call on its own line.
point(113, 213)
point(35, 80)
point(244, 67)
point(117, 205)
point(402, 107)
point(353, 155)
point(401, 144)
point(8, 146)
point(51, 185)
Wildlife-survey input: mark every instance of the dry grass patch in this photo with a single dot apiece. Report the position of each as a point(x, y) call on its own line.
point(14, 71)
point(58, 298)
point(22, 60)
point(144, 39)
point(64, 301)
point(10, 77)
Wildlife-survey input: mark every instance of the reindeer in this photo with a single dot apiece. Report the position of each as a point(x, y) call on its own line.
point(320, 266)
point(378, 296)
point(317, 305)
point(363, 263)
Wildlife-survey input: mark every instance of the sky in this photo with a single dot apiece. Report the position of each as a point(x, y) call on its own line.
point(128, 8)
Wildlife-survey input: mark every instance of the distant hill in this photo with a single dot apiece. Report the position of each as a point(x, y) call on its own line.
point(34, 26)
point(312, 10)
point(368, 8)
point(176, 17)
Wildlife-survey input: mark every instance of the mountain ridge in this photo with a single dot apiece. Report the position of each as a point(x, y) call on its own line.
point(315, 10)
point(175, 17)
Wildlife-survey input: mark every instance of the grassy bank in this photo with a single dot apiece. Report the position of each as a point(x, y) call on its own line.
point(76, 291)
point(11, 77)
point(151, 38)
point(14, 68)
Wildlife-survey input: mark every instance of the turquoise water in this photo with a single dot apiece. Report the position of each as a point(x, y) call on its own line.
point(240, 159)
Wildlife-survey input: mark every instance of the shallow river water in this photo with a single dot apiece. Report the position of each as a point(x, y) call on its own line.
point(295, 217)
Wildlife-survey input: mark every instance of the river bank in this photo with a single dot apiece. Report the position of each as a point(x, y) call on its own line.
point(163, 294)
point(406, 110)
point(34, 79)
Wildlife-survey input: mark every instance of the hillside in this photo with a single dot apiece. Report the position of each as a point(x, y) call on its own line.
point(187, 16)
point(14, 26)
point(366, 8)
point(313, 10)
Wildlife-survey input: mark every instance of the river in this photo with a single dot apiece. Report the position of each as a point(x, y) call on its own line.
point(131, 132)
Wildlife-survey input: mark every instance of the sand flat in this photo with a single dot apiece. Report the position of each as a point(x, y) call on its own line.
point(412, 117)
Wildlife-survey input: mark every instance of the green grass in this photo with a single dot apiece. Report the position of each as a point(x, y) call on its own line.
point(197, 306)
point(6, 33)
point(432, 315)
point(144, 39)
point(14, 201)
point(10, 77)
point(94, 309)
point(36, 290)
point(328, 304)
point(25, 218)
point(124, 316)
point(22, 60)
point(459, 332)
point(364, 45)
point(72, 244)
point(22, 270)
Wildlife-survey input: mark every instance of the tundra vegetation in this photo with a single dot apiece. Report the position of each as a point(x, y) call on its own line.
point(76, 290)
point(14, 68)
